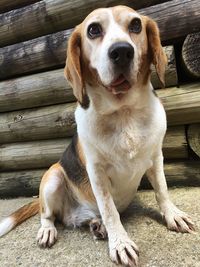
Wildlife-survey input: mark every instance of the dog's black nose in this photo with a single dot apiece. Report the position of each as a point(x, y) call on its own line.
point(121, 54)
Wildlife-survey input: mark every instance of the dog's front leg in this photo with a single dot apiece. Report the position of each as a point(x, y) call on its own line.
point(122, 249)
point(176, 219)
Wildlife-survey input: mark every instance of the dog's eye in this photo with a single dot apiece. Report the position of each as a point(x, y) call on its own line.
point(94, 30)
point(135, 26)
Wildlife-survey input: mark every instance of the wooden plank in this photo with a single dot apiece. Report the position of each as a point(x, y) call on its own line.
point(36, 55)
point(35, 90)
point(179, 174)
point(31, 155)
point(175, 143)
point(38, 123)
point(193, 136)
point(174, 18)
point(26, 182)
point(41, 154)
point(183, 173)
point(171, 78)
point(48, 16)
point(181, 104)
point(20, 183)
point(6, 5)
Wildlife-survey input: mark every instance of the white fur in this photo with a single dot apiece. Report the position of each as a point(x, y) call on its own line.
point(6, 225)
point(79, 215)
point(128, 152)
point(47, 234)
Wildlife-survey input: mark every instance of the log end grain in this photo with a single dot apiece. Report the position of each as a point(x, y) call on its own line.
point(193, 136)
point(191, 55)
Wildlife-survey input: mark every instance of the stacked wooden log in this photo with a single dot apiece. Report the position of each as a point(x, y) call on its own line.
point(37, 105)
point(190, 55)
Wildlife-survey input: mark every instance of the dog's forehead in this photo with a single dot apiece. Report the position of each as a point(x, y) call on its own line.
point(118, 13)
point(123, 13)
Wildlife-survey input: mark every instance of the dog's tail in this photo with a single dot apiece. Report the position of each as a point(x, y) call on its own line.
point(17, 217)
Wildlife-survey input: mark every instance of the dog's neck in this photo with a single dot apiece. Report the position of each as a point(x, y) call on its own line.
point(103, 103)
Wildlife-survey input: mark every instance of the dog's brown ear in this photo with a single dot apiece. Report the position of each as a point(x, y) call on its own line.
point(73, 71)
point(158, 57)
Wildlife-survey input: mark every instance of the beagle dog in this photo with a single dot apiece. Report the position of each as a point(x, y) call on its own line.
point(120, 129)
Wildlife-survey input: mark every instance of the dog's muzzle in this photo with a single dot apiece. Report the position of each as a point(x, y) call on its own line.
point(121, 55)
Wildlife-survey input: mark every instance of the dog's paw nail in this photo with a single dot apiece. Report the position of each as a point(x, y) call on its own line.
point(178, 220)
point(46, 237)
point(124, 252)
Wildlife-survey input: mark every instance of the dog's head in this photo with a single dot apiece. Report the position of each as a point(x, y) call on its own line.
point(110, 53)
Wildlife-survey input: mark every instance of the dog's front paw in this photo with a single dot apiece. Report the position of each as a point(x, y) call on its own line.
point(123, 251)
point(46, 236)
point(177, 220)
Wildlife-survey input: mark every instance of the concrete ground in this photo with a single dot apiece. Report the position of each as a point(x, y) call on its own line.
point(158, 246)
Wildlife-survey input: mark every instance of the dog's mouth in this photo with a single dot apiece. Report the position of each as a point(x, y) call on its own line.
point(119, 86)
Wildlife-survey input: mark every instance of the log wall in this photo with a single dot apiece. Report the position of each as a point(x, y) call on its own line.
point(37, 104)
point(48, 16)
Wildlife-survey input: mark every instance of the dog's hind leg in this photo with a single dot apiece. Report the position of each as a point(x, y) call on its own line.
point(52, 194)
point(98, 229)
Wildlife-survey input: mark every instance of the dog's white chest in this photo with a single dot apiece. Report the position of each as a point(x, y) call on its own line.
point(123, 146)
point(125, 181)
point(127, 165)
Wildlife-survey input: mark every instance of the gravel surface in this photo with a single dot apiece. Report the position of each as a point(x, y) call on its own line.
point(159, 247)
